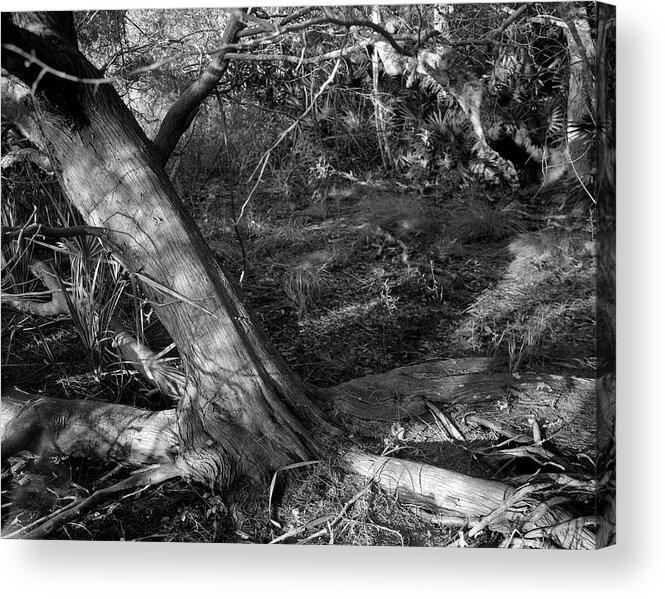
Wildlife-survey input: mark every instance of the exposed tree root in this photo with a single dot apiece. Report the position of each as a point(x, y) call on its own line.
point(407, 390)
point(92, 429)
point(95, 429)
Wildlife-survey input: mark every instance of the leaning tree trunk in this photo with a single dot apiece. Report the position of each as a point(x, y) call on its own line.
point(581, 88)
point(242, 408)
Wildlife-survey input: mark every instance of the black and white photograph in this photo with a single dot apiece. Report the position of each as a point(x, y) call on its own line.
point(339, 275)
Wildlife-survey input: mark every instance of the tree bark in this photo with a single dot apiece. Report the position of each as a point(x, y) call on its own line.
point(50, 426)
point(240, 413)
point(499, 506)
point(380, 113)
point(581, 90)
point(406, 393)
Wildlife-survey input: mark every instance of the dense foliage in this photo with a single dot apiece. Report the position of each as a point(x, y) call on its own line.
point(380, 112)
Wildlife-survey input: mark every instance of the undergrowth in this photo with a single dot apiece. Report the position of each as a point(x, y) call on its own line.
point(381, 278)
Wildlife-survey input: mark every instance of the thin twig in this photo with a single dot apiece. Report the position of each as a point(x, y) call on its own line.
point(264, 159)
point(448, 424)
point(502, 430)
point(503, 507)
point(334, 522)
point(145, 478)
point(330, 520)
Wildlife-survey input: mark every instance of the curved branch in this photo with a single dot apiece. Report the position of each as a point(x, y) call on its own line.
point(56, 306)
point(369, 25)
point(587, 71)
point(509, 20)
point(35, 62)
point(333, 54)
point(297, 15)
point(183, 111)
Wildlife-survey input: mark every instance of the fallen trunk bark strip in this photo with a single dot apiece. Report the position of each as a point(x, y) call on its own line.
point(404, 392)
point(474, 498)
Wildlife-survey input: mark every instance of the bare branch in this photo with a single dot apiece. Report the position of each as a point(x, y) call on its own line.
point(245, 17)
point(264, 159)
point(228, 51)
point(369, 25)
point(333, 54)
point(183, 111)
point(297, 15)
point(588, 70)
point(31, 59)
point(508, 21)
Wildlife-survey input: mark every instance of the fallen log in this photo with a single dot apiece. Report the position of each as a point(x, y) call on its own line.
point(563, 406)
point(85, 428)
point(496, 505)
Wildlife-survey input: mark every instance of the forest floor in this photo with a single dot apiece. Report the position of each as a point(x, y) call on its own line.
point(362, 279)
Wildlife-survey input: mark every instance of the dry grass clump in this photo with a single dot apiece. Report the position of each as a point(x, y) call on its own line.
point(326, 507)
point(276, 242)
point(29, 197)
point(478, 220)
point(543, 305)
point(558, 248)
point(307, 281)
